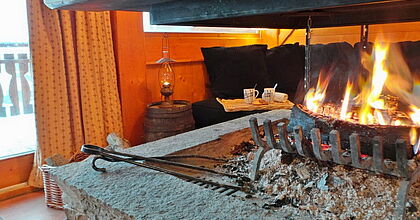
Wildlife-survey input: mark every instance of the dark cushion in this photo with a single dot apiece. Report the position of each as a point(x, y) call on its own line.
point(410, 51)
point(337, 60)
point(286, 67)
point(232, 69)
point(210, 111)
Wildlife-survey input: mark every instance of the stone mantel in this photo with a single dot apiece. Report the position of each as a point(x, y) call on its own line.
point(131, 192)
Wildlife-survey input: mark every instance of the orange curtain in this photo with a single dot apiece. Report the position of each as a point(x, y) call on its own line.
point(76, 93)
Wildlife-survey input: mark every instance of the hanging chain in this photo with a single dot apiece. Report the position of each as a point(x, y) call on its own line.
point(364, 34)
point(307, 79)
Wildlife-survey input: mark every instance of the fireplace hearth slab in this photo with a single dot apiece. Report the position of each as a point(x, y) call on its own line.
point(129, 192)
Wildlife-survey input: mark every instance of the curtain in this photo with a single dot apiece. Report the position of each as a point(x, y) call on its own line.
point(75, 81)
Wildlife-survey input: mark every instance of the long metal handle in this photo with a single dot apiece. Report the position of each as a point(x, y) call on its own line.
point(95, 150)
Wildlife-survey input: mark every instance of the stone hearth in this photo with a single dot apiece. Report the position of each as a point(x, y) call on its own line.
point(131, 192)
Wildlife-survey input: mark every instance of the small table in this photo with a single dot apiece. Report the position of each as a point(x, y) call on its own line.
point(167, 120)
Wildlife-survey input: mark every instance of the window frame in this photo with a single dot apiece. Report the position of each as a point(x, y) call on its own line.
point(150, 28)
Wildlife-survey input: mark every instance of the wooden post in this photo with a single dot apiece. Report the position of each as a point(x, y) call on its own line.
point(13, 91)
point(26, 90)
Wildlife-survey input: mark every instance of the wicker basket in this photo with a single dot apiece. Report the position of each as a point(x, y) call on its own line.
point(51, 189)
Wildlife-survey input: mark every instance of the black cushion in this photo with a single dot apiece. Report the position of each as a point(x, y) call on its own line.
point(337, 60)
point(286, 66)
point(210, 111)
point(410, 51)
point(232, 69)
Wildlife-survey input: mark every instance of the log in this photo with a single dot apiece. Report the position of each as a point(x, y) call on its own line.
point(303, 117)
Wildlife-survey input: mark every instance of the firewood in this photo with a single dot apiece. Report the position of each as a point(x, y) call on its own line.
point(307, 120)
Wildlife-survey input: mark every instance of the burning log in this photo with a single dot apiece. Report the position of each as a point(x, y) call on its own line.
point(308, 120)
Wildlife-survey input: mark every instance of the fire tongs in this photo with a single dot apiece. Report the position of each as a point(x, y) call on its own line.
point(114, 156)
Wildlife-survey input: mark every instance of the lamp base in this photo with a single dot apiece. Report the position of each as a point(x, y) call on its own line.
point(166, 103)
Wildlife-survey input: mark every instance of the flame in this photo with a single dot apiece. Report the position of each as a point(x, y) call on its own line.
point(314, 98)
point(345, 105)
point(379, 117)
point(397, 122)
point(385, 83)
point(415, 115)
point(413, 136)
point(373, 100)
point(380, 74)
point(414, 140)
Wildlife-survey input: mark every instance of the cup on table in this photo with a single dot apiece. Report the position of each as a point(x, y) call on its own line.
point(268, 95)
point(250, 95)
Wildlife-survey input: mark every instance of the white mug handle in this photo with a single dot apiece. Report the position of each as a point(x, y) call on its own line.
point(257, 93)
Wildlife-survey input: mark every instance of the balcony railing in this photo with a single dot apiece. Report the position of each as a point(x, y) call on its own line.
point(17, 121)
point(16, 66)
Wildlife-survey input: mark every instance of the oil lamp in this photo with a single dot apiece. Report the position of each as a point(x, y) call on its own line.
point(166, 74)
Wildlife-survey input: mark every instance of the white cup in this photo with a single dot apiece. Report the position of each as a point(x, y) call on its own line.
point(268, 95)
point(250, 95)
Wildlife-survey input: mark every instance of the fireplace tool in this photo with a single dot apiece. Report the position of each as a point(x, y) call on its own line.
point(114, 156)
point(297, 143)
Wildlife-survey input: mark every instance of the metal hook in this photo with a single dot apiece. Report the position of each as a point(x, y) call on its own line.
point(103, 170)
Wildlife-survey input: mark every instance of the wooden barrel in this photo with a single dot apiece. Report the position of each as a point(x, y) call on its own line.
point(163, 122)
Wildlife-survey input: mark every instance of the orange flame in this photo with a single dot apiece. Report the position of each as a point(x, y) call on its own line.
point(345, 105)
point(388, 84)
point(371, 96)
point(413, 136)
point(315, 96)
point(415, 115)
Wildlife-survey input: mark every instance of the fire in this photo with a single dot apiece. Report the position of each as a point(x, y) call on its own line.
point(373, 93)
point(414, 140)
point(345, 105)
point(377, 97)
point(314, 98)
point(413, 136)
point(415, 115)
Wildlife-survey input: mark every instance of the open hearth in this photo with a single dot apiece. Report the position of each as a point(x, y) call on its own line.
point(288, 186)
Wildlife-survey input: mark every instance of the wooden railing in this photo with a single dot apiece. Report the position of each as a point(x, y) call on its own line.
point(15, 80)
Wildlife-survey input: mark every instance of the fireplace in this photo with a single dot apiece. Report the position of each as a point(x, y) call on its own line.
point(365, 118)
point(288, 182)
point(325, 149)
point(346, 131)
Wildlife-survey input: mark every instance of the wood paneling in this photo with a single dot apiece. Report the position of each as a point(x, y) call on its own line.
point(137, 53)
point(130, 51)
point(408, 31)
point(15, 170)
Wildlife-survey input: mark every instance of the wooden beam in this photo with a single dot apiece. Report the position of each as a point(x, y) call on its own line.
point(284, 14)
point(260, 14)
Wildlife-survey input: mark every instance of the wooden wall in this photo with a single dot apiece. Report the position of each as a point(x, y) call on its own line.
point(409, 31)
point(137, 52)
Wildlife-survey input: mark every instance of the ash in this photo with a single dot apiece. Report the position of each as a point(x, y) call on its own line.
point(293, 184)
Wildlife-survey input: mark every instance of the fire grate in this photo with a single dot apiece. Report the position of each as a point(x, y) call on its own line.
point(297, 143)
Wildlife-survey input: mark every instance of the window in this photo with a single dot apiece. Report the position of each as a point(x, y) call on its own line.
point(17, 118)
point(147, 27)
